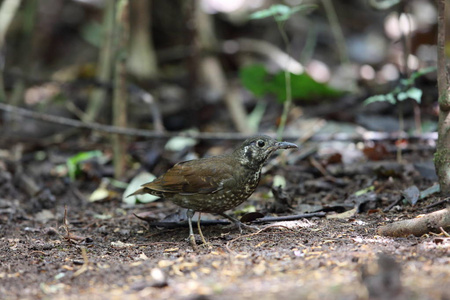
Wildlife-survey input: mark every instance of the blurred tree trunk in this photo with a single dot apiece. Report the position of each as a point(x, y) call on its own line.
point(442, 155)
point(120, 85)
point(211, 73)
point(104, 68)
point(30, 9)
point(142, 57)
point(26, 55)
point(8, 10)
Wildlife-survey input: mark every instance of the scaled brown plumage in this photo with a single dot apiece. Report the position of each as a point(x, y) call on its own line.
point(216, 184)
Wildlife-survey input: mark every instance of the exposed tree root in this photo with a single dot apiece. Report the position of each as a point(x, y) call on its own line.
point(427, 223)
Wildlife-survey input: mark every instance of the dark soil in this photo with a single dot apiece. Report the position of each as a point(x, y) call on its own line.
point(56, 243)
point(105, 252)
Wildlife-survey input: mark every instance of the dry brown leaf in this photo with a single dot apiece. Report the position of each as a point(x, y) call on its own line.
point(345, 215)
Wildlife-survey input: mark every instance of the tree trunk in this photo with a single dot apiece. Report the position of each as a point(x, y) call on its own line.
point(104, 68)
point(120, 86)
point(142, 57)
point(442, 155)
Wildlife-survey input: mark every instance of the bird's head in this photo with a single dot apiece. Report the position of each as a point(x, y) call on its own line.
point(255, 151)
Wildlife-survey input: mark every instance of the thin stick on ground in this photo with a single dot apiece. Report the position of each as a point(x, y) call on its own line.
point(69, 236)
point(85, 266)
point(445, 233)
point(444, 201)
point(65, 224)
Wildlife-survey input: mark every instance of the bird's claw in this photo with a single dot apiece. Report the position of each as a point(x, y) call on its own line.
point(192, 241)
point(242, 226)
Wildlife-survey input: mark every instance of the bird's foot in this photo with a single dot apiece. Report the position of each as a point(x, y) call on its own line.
point(190, 213)
point(205, 244)
point(192, 241)
point(239, 224)
point(197, 242)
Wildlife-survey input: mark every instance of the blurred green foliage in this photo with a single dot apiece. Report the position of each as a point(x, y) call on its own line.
point(281, 12)
point(74, 162)
point(404, 90)
point(257, 80)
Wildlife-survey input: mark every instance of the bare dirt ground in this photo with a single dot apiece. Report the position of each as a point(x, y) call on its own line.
point(120, 257)
point(57, 245)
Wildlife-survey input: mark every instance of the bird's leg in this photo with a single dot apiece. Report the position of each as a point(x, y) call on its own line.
point(200, 229)
point(190, 213)
point(238, 223)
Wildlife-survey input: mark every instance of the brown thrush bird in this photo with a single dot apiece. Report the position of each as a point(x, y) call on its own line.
point(215, 184)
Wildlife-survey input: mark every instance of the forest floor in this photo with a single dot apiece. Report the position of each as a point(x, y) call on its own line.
point(102, 251)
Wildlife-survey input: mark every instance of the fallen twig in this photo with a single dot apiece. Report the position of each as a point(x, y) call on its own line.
point(419, 226)
point(223, 222)
point(445, 233)
point(85, 266)
point(369, 135)
point(69, 236)
point(393, 204)
point(156, 243)
point(288, 218)
point(446, 200)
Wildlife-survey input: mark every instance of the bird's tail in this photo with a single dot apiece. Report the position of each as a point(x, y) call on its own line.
point(138, 192)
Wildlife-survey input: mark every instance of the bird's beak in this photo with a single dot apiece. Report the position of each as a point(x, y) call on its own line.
point(285, 145)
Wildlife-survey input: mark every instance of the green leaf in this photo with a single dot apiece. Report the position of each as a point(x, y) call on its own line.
point(294, 10)
point(280, 9)
point(422, 72)
point(274, 10)
point(305, 87)
point(261, 14)
point(73, 162)
point(415, 94)
point(381, 98)
point(390, 98)
point(402, 96)
point(281, 12)
point(92, 33)
point(256, 79)
point(253, 78)
point(375, 98)
point(364, 191)
point(412, 78)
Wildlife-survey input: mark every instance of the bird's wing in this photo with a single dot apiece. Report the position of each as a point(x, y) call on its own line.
point(193, 177)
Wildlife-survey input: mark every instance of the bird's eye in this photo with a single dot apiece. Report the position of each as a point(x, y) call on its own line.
point(261, 143)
